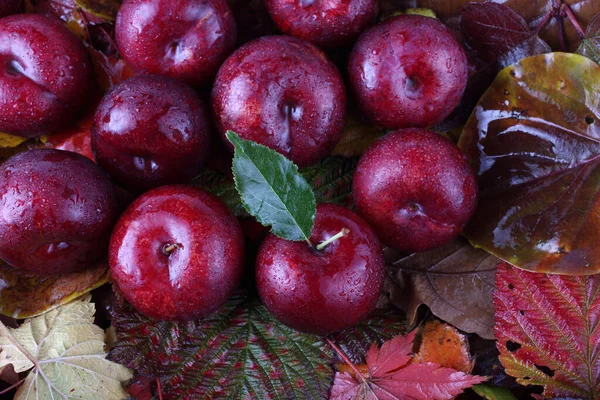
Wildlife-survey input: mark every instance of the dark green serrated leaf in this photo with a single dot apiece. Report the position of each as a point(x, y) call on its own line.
point(590, 44)
point(272, 189)
point(331, 180)
point(382, 325)
point(223, 187)
point(237, 353)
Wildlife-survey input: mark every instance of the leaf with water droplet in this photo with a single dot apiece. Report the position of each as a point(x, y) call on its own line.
point(537, 154)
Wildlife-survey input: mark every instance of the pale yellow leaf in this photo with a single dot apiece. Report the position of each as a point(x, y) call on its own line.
point(69, 353)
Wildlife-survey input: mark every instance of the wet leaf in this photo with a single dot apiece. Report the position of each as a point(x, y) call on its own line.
point(237, 353)
point(393, 374)
point(27, 295)
point(272, 190)
point(106, 9)
point(444, 345)
point(590, 45)
point(548, 333)
point(7, 141)
point(64, 353)
point(455, 281)
point(534, 138)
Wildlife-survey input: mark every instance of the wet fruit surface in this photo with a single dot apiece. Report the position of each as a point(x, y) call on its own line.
point(326, 23)
point(415, 188)
point(57, 211)
point(187, 40)
point(149, 131)
point(322, 291)
point(45, 75)
point(177, 253)
point(283, 93)
point(408, 71)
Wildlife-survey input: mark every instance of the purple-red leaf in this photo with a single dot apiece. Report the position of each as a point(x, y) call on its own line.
point(548, 331)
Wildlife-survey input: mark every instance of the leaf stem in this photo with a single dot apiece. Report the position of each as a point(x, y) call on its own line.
point(543, 22)
point(335, 237)
point(344, 357)
point(18, 345)
point(159, 389)
point(14, 385)
point(564, 8)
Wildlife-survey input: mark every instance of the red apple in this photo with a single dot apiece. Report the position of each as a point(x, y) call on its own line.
point(9, 7)
point(177, 253)
point(284, 93)
point(408, 71)
point(149, 131)
point(322, 291)
point(326, 23)
point(415, 188)
point(45, 75)
point(185, 39)
point(57, 210)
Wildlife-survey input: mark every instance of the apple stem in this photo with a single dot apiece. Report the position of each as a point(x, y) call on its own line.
point(344, 357)
point(335, 237)
point(168, 249)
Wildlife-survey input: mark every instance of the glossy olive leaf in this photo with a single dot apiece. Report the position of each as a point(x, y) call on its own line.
point(239, 352)
point(493, 392)
point(27, 295)
point(590, 44)
point(548, 331)
point(272, 190)
point(382, 325)
point(64, 353)
point(499, 34)
point(534, 139)
point(105, 9)
point(455, 281)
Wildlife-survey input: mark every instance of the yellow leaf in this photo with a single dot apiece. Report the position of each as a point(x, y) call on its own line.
point(7, 140)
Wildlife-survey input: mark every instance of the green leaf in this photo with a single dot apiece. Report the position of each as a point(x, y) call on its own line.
point(27, 295)
point(65, 352)
point(590, 44)
point(493, 392)
point(272, 189)
point(331, 180)
point(223, 187)
point(534, 140)
point(239, 352)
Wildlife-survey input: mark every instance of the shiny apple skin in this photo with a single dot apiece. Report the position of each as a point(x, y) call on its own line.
point(57, 210)
point(150, 131)
point(408, 71)
point(326, 23)
point(185, 39)
point(322, 291)
point(415, 188)
point(45, 75)
point(284, 93)
point(196, 278)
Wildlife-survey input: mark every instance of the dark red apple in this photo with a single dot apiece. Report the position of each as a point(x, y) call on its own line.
point(185, 39)
point(149, 131)
point(9, 7)
point(415, 188)
point(57, 210)
point(326, 23)
point(177, 253)
point(45, 75)
point(408, 71)
point(284, 93)
point(322, 291)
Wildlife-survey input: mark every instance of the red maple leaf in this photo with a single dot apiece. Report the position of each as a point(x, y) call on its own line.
point(395, 374)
